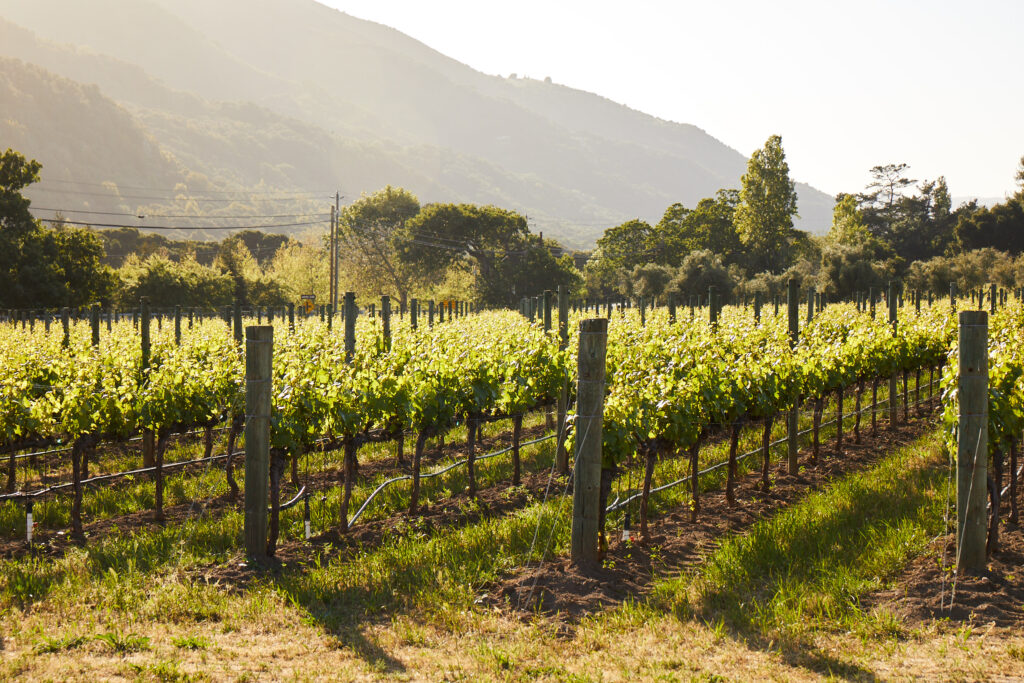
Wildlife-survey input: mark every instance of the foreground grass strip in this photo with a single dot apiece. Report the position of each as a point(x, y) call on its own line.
point(808, 567)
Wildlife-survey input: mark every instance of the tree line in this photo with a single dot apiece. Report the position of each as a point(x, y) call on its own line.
point(388, 244)
point(740, 240)
point(743, 241)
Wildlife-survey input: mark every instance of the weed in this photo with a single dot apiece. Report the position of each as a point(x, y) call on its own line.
point(50, 645)
point(190, 642)
point(123, 644)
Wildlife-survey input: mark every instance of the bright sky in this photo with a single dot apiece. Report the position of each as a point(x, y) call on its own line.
point(849, 85)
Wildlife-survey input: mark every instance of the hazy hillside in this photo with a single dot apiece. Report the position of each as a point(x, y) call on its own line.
point(290, 94)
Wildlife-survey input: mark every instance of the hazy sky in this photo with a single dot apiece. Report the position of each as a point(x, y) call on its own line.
point(849, 85)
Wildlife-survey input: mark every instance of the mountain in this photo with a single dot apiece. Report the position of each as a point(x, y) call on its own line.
point(290, 95)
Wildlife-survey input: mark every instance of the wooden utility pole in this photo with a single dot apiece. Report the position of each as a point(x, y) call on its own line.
point(332, 258)
point(972, 442)
point(259, 346)
point(586, 497)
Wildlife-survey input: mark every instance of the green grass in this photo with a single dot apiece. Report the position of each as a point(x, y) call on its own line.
point(808, 567)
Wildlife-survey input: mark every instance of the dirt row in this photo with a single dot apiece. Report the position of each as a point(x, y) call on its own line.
point(629, 568)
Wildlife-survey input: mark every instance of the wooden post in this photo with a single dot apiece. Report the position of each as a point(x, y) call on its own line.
point(893, 413)
point(671, 308)
point(350, 326)
point(385, 318)
point(952, 296)
point(712, 309)
point(793, 419)
point(810, 304)
point(430, 313)
point(65, 321)
point(547, 310)
point(94, 322)
point(148, 442)
point(757, 307)
point(414, 313)
point(561, 455)
point(144, 331)
point(259, 347)
point(291, 317)
point(236, 317)
point(177, 325)
point(972, 443)
point(992, 300)
point(590, 413)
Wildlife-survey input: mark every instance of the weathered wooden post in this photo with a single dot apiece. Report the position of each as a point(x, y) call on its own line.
point(972, 442)
point(236, 317)
point(547, 310)
point(414, 313)
point(350, 325)
point(291, 317)
point(177, 325)
point(793, 419)
point(148, 440)
point(810, 304)
point(893, 321)
point(65, 321)
point(259, 346)
point(712, 309)
point(586, 496)
point(385, 318)
point(671, 308)
point(561, 454)
point(94, 324)
point(430, 313)
point(992, 299)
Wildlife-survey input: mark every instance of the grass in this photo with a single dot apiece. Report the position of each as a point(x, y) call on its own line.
point(780, 601)
point(807, 568)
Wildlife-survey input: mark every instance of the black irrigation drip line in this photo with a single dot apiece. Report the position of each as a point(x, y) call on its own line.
point(618, 505)
point(457, 463)
point(68, 449)
point(1006, 489)
point(333, 445)
point(26, 495)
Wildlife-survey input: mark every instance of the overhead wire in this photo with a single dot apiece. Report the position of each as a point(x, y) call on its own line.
point(160, 189)
point(169, 215)
point(179, 227)
point(181, 196)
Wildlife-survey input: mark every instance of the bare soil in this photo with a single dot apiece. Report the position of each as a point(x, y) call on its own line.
point(556, 588)
point(930, 589)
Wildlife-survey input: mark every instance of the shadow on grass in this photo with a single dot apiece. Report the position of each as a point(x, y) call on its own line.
point(811, 563)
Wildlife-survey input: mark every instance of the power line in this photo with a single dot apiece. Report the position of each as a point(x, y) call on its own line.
point(189, 198)
point(161, 189)
point(168, 215)
point(180, 227)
